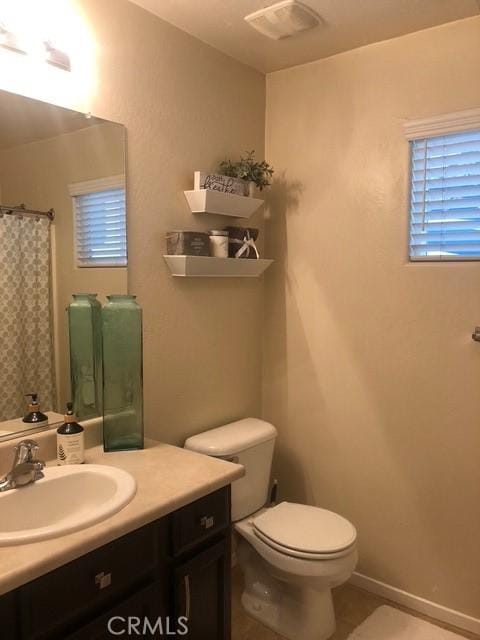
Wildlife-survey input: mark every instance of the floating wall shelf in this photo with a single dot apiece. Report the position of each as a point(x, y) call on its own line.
point(224, 204)
point(203, 266)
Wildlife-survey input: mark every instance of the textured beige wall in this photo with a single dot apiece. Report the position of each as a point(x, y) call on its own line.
point(185, 107)
point(370, 372)
point(38, 174)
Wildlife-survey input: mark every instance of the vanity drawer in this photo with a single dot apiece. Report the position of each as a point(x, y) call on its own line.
point(149, 603)
point(200, 520)
point(91, 583)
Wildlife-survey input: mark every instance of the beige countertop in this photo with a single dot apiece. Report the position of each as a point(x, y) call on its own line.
point(167, 478)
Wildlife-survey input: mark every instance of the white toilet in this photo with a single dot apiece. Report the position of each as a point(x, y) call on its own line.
point(291, 554)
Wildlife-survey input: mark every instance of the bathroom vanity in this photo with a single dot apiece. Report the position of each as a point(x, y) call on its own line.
point(175, 565)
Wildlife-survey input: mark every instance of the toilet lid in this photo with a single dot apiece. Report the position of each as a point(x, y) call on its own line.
point(305, 529)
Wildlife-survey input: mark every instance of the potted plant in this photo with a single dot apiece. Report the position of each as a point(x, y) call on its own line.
point(255, 174)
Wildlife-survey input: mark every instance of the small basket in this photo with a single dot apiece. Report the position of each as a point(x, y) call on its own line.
point(241, 242)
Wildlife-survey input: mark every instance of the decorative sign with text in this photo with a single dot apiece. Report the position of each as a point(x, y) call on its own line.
point(217, 182)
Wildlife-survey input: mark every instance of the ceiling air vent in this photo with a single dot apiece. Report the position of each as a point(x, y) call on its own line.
point(283, 19)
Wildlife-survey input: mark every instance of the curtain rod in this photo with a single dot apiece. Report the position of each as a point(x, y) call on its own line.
point(21, 209)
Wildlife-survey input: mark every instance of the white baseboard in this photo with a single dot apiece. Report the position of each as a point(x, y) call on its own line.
point(426, 607)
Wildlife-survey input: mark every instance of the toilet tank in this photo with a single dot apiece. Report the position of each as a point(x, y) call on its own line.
point(249, 442)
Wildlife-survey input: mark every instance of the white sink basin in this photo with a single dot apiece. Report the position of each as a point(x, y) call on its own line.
point(67, 499)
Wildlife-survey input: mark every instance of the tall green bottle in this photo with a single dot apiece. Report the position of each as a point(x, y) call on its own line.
point(122, 374)
point(85, 334)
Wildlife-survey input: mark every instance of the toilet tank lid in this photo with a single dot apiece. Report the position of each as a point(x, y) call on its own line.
point(232, 438)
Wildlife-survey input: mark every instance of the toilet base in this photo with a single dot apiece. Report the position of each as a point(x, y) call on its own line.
point(294, 612)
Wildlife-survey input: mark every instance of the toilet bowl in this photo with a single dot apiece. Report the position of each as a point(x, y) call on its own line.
point(289, 589)
point(291, 555)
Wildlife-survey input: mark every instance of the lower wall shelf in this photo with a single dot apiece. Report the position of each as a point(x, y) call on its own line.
point(204, 266)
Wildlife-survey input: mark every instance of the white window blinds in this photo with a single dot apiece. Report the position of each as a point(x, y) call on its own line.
point(100, 223)
point(445, 197)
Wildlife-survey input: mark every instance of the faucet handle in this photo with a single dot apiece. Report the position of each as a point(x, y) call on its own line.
point(25, 451)
point(38, 467)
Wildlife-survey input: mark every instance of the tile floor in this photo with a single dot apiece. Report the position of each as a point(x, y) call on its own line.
point(352, 606)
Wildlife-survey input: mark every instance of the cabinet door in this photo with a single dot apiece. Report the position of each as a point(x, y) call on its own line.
point(202, 594)
point(144, 615)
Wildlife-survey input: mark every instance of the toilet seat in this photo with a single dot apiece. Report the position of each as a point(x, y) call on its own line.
point(302, 531)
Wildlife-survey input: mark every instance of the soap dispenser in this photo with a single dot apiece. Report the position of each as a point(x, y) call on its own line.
point(70, 440)
point(35, 417)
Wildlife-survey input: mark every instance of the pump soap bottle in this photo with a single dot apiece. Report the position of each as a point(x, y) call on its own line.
point(70, 440)
point(35, 417)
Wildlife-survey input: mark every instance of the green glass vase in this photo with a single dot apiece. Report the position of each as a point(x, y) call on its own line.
point(85, 334)
point(122, 374)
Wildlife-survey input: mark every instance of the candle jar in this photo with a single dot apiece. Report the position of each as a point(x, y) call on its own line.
point(218, 243)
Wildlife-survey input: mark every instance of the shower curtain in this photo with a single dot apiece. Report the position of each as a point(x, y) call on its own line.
point(26, 325)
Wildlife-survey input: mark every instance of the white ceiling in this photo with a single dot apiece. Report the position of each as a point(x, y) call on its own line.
point(347, 24)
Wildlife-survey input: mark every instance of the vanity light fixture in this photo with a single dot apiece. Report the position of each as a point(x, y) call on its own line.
point(56, 57)
point(9, 40)
point(51, 53)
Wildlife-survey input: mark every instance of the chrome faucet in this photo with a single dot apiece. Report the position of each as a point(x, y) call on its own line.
point(25, 469)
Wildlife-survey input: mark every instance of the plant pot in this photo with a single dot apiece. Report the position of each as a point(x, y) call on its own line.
point(251, 189)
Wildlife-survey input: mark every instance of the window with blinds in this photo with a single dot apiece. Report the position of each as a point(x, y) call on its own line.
point(445, 197)
point(100, 224)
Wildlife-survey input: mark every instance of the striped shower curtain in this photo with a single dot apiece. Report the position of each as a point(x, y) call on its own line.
point(26, 326)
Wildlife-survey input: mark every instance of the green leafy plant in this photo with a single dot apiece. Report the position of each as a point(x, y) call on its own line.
point(247, 168)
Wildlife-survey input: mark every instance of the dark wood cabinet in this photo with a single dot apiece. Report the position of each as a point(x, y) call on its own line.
point(58, 601)
point(202, 594)
point(145, 614)
point(8, 615)
point(200, 521)
point(138, 584)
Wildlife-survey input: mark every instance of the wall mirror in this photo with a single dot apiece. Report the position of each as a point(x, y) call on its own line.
point(62, 232)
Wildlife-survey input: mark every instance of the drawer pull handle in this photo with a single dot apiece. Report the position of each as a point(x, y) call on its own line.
point(186, 582)
point(207, 522)
point(103, 580)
